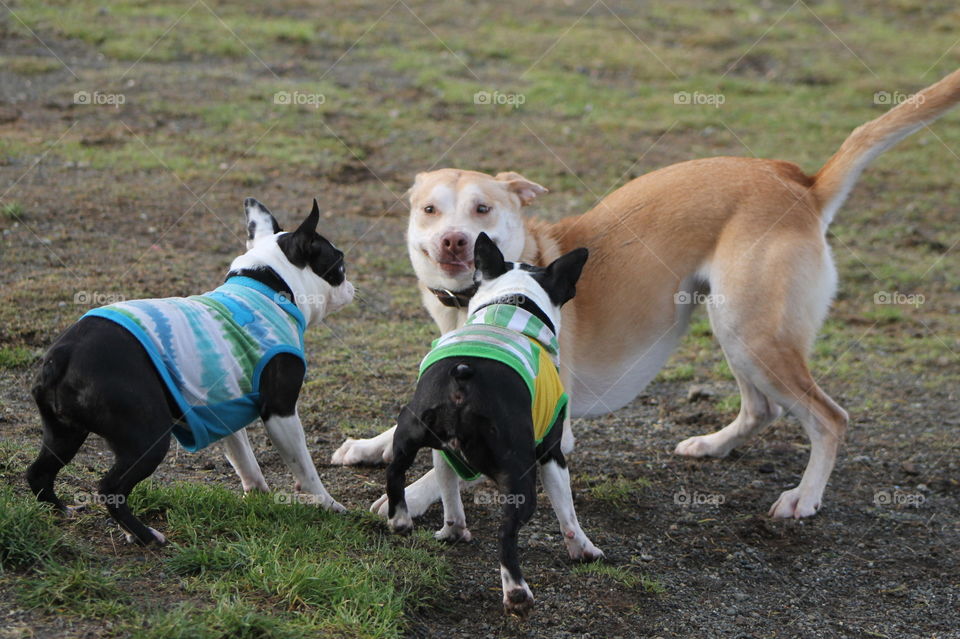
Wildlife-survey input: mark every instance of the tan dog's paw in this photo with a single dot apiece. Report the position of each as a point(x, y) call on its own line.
point(792, 504)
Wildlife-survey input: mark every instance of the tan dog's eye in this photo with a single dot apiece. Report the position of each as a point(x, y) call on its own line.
point(429, 210)
point(483, 208)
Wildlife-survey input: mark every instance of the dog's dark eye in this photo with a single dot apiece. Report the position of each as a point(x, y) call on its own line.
point(429, 210)
point(483, 208)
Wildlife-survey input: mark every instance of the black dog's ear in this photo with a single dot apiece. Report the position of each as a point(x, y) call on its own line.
point(309, 225)
point(260, 221)
point(487, 258)
point(560, 278)
point(300, 245)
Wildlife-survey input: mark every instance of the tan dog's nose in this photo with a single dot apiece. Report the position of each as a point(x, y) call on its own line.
point(454, 244)
point(454, 241)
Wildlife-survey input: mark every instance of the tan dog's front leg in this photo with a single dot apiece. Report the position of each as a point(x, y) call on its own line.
point(454, 519)
point(376, 450)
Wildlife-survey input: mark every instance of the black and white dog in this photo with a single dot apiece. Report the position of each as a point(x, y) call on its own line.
point(489, 401)
point(201, 368)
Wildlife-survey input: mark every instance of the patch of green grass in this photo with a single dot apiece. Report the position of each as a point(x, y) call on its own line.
point(13, 459)
point(12, 211)
point(81, 587)
point(729, 403)
point(133, 30)
point(700, 327)
point(199, 561)
point(885, 314)
point(621, 575)
point(722, 370)
point(28, 531)
point(229, 618)
point(254, 567)
point(678, 373)
point(617, 491)
point(30, 65)
point(334, 570)
point(16, 356)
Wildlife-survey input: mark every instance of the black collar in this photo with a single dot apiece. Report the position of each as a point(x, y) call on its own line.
point(455, 299)
point(529, 307)
point(264, 275)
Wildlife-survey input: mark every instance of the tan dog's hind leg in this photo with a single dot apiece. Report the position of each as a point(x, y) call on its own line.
point(825, 423)
point(765, 309)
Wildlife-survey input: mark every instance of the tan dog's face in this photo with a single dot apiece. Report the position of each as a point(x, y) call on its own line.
point(449, 208)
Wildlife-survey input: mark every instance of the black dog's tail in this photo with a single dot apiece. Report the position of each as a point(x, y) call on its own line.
point(52, 370)
point(461, 372)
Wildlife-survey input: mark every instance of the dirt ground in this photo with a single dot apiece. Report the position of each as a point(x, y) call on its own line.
point(144, 200)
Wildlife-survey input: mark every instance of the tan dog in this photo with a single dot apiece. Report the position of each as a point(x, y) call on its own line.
point(748, 231)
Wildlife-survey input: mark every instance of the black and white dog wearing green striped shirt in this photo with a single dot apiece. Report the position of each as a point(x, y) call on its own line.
point(489, 402)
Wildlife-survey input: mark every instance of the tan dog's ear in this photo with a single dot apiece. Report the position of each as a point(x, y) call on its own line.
point(526, 190)
point(416, 180)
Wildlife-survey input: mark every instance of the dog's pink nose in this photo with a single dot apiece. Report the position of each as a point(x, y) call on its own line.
point(454, 242)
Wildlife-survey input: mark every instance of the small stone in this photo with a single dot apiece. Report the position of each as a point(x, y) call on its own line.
point(698, 392)
point(909, 468)
point(765, 468)
point(9, 114)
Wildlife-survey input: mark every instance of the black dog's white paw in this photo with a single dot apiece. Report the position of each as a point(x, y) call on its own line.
point(518, 601)
point(452, 534)
point(158, 538)
point(401, 523)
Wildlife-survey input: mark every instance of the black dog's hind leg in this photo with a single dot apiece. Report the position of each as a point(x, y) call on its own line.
point(407, 441)
point(137, 456)
point(519, 494)
point(60, 443)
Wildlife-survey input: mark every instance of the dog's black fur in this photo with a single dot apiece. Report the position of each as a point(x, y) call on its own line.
point(97, 378)
point(480, 408)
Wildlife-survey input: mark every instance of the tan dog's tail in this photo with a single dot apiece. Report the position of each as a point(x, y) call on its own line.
point(832, 184)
